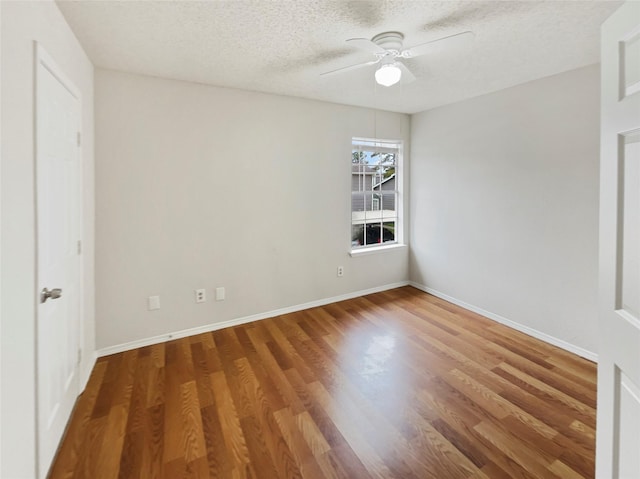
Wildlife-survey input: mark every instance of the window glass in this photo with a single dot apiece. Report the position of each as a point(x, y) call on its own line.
point(374, 192)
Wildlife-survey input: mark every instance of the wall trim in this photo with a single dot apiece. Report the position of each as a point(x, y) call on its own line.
point(118, 348)
point(572, 348)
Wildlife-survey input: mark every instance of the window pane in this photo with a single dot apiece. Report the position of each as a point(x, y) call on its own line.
point(388, 232)
point(357, 201)
point(388, 203)
point(357, 235)
point(372, 233)
point(382, 183)
point(378, 179)
point(357, 157)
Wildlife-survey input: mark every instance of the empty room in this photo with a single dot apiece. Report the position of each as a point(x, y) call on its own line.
point(280, 239)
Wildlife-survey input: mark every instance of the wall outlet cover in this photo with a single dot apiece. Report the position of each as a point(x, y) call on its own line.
point(201, 295)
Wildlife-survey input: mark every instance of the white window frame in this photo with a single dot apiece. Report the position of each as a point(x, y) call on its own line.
point(378, 144)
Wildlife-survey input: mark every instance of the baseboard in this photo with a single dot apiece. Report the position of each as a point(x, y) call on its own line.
point(591, 356)
point(118, 348)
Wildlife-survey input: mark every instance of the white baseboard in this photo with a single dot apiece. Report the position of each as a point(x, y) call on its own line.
point(591, 356)
point(118, 348)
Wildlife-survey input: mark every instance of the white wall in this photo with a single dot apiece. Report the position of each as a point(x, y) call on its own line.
point(201, 187)
point(22, 23)
point(504, 204)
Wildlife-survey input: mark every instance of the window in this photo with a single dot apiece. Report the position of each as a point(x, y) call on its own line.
point(375, 186)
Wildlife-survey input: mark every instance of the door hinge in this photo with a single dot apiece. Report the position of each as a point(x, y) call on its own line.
point(79, 138)
point(79, 355)
point(79, 247)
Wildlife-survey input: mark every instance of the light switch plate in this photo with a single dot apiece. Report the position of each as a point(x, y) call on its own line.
point(220, 294)
point(153, 303)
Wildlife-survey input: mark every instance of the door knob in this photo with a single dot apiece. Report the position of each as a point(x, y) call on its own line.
point(53, 294)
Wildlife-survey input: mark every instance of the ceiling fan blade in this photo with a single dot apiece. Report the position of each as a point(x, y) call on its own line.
point(436, 46)
point(349, 68)
point(407, 76)
point(366, 45)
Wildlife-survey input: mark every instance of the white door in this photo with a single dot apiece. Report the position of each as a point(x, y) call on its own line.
point(618, 426)
point(58, 183)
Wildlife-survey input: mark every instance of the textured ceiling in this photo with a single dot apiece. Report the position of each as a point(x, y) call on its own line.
point(281, 47)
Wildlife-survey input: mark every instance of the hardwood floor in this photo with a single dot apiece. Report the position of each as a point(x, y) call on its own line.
point(397, 384)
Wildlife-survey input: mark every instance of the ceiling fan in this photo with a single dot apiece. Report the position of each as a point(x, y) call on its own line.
point(388, 50)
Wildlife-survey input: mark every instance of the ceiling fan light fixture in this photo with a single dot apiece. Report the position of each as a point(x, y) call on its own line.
point(388, 74)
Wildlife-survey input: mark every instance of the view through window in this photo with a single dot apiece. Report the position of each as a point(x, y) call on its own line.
point(374, 192)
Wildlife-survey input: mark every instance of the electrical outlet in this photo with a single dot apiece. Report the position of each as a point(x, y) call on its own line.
point(201, 295)
point(340, 271)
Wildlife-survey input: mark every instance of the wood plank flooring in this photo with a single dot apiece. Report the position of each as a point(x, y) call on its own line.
point(398, 384)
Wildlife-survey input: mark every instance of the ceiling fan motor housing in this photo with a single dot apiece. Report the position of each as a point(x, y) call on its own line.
point(390, 41)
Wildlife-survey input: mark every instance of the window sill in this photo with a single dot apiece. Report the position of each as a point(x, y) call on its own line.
point(375, 250)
